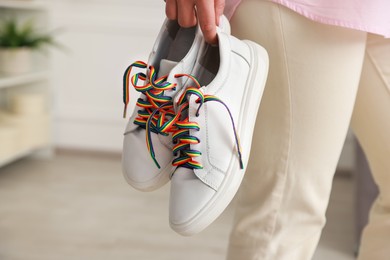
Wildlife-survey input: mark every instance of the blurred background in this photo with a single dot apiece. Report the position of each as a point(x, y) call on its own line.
point(62, 194)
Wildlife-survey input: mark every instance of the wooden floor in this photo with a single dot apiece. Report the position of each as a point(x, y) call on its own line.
point(78, 207)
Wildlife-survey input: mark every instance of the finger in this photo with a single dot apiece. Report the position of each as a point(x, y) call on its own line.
point(186, 13)
point(207, 22)
point(171, 9)
point(219, 8)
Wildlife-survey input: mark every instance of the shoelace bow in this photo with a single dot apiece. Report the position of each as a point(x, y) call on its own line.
point(180, 128)
point(154, 92)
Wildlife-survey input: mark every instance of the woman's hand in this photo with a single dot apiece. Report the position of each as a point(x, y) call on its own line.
point(190, 12)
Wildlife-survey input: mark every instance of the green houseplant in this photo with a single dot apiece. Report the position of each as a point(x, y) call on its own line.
point(17, 41)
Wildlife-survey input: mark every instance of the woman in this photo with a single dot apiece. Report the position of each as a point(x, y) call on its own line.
point(329, 62)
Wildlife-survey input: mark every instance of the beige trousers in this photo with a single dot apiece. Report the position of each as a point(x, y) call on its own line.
point(316, 73)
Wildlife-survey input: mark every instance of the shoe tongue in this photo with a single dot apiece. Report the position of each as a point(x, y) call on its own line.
point(165, 67)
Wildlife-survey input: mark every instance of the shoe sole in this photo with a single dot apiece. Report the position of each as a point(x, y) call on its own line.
point(229, 187)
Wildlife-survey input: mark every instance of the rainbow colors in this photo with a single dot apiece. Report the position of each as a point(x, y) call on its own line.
point(158, 115)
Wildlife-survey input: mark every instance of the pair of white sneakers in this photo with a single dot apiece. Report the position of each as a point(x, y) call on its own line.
point(197, 100)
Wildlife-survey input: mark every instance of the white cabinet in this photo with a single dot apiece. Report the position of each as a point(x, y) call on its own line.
point(24, 126)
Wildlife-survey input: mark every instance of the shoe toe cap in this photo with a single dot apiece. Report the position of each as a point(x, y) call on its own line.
point(189, 196)
point(138, 167)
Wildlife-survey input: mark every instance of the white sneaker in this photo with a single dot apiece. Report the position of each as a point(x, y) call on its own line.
point(174, 52)
point(210, 163)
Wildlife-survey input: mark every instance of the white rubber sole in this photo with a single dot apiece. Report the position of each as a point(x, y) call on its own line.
point(245, 127)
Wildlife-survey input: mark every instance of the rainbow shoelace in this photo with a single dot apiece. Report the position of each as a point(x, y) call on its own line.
point(180, 127)
point(158, 115)
point(153, 90)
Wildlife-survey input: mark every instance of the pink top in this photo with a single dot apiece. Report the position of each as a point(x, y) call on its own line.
point(366, 15)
